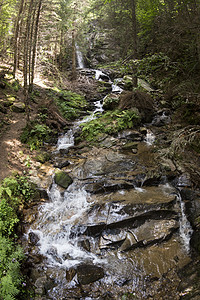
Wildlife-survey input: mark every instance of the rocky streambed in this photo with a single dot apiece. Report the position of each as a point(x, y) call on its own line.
point(115, 222)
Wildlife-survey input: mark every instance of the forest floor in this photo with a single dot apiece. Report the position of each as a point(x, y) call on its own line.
point(14, 155)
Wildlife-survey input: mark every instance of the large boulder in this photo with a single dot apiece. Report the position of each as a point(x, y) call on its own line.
point(140, 100)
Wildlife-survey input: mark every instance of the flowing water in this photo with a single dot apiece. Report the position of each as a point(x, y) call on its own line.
point(134, 234)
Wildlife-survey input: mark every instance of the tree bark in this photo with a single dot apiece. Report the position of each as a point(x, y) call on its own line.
point(16, 39)
point(135, 43)
point(35, 45)
point(26, 60)
point(73, 56)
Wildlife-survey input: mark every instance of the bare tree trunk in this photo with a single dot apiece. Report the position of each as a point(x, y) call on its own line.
point(35, 45)
point(16, 39)
point(61, 50)
point(135, 46)
point(73, 56)
point(26, 60)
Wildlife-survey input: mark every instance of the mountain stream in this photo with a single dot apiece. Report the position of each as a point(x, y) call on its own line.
point(109, 235)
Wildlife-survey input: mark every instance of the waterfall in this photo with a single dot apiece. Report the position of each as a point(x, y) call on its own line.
point(185, 227)
point(80, 59)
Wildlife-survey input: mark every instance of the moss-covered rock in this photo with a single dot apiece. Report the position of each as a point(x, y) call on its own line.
point(63, 179)
point(43, 157)
point(110, 102)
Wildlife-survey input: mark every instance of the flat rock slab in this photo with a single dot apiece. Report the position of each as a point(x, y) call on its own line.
point(87, 274)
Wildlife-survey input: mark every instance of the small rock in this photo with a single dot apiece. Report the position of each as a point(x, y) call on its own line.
point(130, 146)
point(63, 164)
point(18, 107)
point(33, 238)
point(129, 241)
point(70, 274)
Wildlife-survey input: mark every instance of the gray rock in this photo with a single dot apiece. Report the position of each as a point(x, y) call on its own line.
point(18, 107)
point(87, 274)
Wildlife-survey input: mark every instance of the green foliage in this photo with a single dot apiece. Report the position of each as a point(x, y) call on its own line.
point(71, 104)
point(7, 9)
point(14, 191)
point(157, 69)
point(11, 257)
point(8, 218)
point(35, 135)
point(111, 122)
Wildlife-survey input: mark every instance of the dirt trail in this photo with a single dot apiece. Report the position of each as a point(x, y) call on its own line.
point(11, 149)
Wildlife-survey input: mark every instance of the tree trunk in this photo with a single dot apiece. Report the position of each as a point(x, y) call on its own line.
point(135, 46)
point(73, 56)
point(26, 60)
point(16, 39)
point(35, 45)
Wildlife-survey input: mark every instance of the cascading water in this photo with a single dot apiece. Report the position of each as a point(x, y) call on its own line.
point(54, 226)
point(128, 232)
point(80, 59)
point(185, 227)
point(150, 137)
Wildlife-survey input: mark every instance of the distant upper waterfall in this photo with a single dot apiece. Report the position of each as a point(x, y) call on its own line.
point(80, 59)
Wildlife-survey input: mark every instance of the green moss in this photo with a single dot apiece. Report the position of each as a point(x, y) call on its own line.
point(43, 157)
point(110, 102)
point(70, 104)
point(63, 179)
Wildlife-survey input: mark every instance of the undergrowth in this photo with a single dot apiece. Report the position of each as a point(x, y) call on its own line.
point(110, 123)
point(36, 134)
point(70, 104)
point(14, 192)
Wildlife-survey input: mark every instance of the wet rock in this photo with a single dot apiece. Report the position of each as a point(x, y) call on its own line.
point(129, 241)
point(108, 240)
point(40, 285)
point(63, 179)
point(132, 135)
point(53, 252)
point(84, 244)
point(33, 238)
point(18, 107)
point(110, 162)
point(129, 223)
point(130, 146)
point(162, 119)
point(87, 274)
point(63, 164)
point(102, 186)
point(70, 273)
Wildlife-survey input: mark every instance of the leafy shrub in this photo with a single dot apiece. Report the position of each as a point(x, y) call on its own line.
point(111, 122)
point(157, 69)
point(11, 257)
point(35, 135)
point(14, 191)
